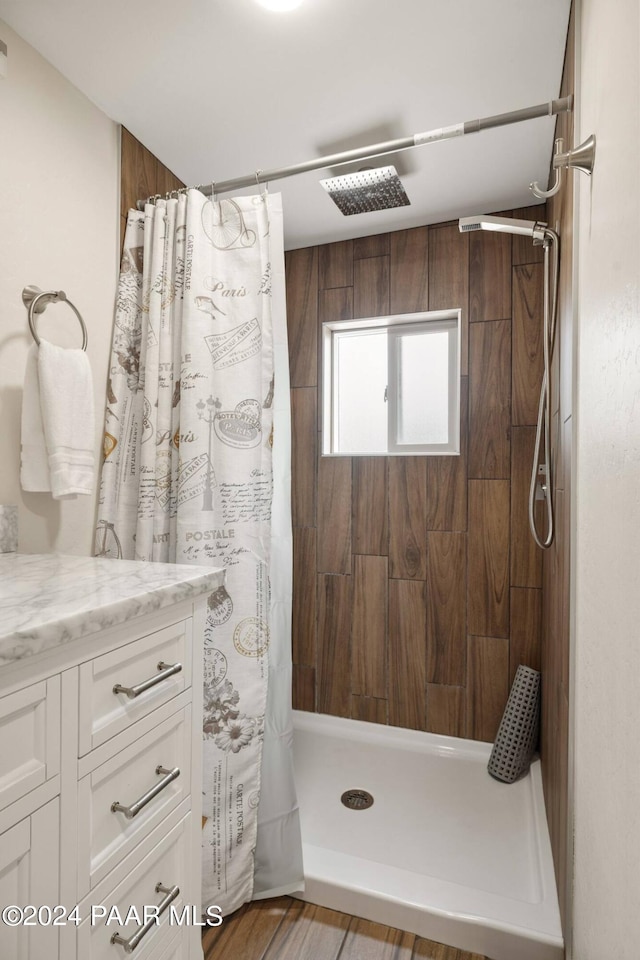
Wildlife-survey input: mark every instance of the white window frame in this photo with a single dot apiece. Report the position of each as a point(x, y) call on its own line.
point(397, 326)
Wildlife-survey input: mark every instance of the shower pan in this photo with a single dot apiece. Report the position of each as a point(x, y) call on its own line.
point(443, 851)
point(541, 485)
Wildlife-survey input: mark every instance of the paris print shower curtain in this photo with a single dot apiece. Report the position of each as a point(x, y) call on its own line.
point(196, 429)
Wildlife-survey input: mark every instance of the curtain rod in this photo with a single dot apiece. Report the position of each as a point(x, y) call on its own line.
point(549, 109)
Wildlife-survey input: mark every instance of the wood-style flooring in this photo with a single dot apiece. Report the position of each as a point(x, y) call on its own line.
point(288, 929)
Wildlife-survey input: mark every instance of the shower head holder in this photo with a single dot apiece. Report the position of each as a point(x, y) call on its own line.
point(581, 158)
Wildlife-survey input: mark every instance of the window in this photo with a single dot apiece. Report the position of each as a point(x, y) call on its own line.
point(391, 385)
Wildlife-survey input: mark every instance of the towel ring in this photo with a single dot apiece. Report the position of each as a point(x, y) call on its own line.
point(37, 300)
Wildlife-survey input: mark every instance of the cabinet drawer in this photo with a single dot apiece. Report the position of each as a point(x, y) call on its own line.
point(106, 709)
point(167, 865)
point(29, 739)
point(106, 835)
point(178, 949)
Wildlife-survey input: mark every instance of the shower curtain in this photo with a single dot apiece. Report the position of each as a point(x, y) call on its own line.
point(196, 470)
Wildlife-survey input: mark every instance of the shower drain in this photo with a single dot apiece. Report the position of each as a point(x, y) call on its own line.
point(357, 799)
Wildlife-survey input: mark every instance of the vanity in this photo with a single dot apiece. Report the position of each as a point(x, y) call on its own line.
point(100, 757)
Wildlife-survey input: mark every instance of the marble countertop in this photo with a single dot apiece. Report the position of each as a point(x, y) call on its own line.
point(48, 600)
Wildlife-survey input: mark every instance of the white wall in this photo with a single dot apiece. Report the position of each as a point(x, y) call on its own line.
point(59, 183)
point(607, 570)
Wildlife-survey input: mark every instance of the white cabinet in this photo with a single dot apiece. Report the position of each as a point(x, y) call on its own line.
point(100, 790)
point(29, 864)
point(161, 880)
point(146, 779)
point(29, 739)
point(148, 672)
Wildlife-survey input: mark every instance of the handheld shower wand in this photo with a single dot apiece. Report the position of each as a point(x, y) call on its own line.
point(542, 235)
point(525, 228)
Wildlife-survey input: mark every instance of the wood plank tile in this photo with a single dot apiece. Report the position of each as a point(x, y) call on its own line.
point(527, 342)
point(446, 710)
point(449, 277)
point(374, 246)
point(409, 271)
point(374, 941)
point(522, 248)
point(430, 950)
point(303, 456)
point(447, 478)
point(489, 275)
point(301, 274)
point(526, 629)
point(566, 293)
point(407, 654)
point(371, 287)
point(562, 384)
point(489, 399)
point(407, 517)
point(304, 615)
point(333, 679)
point(446, 607)
point(334, 304)
point(335, 264)
point(370, 532)
point(334, 515)
point(130, 160)
point(275, 929)
point(561, 550)
point(303, 692)
point(562, 869)
point(247, 933)
point(488, 558)
point(555, 626)
point(563, 543)
point(140, 172)
point(371, 709)
point(308, 931)
point(526, 557)
point(487, 685)
point(369, 627)
point(167, 180)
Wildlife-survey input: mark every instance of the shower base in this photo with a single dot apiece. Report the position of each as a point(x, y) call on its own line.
point(444, 852)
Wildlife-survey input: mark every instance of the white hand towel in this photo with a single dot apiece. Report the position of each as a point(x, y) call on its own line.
point(34, 463)
point(67, 422)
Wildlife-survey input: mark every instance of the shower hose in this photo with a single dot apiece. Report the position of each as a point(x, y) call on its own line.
point(544, 469)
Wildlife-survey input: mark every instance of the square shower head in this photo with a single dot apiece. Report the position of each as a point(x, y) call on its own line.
point(377, 188)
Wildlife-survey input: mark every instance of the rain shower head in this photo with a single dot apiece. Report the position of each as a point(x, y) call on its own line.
point(377, 188)
point(526, 228)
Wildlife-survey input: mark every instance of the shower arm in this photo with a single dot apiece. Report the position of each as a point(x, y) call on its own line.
point(549, 109)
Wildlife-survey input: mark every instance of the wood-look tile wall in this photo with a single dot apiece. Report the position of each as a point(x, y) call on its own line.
point(557, 560)
point(417, 591)
point(141, 176)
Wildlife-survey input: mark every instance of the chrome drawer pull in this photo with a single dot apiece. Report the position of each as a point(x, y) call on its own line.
point(130, 944)
point(135, 808)
point(166, 670)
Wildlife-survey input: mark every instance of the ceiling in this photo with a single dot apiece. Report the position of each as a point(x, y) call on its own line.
point(220, 88)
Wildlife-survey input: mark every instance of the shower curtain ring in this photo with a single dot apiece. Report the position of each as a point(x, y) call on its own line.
point(265, 191)
point(213, 191)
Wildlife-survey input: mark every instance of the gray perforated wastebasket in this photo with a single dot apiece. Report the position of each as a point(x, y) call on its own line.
point(518, 732)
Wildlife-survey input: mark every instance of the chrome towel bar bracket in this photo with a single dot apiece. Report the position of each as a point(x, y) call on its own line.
point(37, 300)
